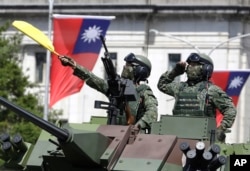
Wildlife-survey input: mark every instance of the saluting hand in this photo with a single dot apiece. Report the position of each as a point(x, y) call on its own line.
point(180, 67)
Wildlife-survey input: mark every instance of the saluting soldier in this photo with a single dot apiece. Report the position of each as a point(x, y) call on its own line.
point(198, 96)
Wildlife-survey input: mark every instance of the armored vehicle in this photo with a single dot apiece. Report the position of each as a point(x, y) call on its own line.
point(174, 144)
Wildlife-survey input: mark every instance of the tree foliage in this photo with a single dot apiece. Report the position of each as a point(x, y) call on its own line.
point(15, 87)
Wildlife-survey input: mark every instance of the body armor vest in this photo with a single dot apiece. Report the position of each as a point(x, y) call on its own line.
point(194, 101)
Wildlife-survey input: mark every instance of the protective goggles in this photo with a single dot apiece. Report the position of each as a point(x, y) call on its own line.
point(193, 57)
point(130, 58)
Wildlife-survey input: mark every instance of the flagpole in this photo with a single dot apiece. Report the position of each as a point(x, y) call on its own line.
point(47, 80)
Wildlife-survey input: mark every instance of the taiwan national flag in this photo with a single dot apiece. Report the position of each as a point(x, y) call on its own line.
point(232, 82)
point(79, 38)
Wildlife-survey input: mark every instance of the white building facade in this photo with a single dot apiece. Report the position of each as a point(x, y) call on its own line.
point(165, 31)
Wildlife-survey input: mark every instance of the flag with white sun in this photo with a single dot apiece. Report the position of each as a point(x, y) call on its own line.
point(78, 37)
point(88, 39)
point(232, 82)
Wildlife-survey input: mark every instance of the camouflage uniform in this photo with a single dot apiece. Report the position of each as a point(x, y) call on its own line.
point(198, 96)
point(146, 107)
point(217, 99)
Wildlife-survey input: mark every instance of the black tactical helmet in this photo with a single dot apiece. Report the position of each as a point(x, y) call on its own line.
point(142, 66)
point(206, 62)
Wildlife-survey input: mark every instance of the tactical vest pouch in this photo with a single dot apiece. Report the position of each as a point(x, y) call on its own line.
point(187, 104)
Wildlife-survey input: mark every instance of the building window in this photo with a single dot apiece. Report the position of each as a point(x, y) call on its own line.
point(40, 67)
point(173, 58)
point(113, 57)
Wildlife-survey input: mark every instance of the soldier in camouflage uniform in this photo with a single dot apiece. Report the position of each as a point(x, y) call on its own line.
point(137, 69)
point(198, 96)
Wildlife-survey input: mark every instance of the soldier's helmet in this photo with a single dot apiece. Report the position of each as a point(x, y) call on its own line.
point(142, 66)
point(205, 60)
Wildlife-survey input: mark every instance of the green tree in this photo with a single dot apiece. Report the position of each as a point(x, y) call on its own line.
point(15, 87)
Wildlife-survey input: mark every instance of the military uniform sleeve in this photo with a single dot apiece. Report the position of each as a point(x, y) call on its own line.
point(151, 110)
point(166, 84)
point(225, 105)
point(91, 79)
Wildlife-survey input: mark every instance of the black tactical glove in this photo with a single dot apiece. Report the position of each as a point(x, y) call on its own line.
point(67, 61)
point(178, 69)
point(140, 124)
point(220, 133)
point(143, 127)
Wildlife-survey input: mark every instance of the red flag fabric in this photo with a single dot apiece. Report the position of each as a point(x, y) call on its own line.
point(79, 38)
point(232, 82)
